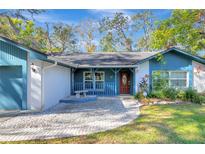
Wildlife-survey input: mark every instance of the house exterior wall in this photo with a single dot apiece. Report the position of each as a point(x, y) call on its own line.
point(109, 79)
point(110, 83)
point(56, 85)
point(198, 76)
point(140, 72)
point(35, 92)
point(15, 57)
point(172, 61)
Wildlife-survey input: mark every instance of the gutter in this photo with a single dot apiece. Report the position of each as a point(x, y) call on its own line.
point(42, 83)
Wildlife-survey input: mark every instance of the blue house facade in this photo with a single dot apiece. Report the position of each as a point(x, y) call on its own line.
point(30, 79)
point(112, 74)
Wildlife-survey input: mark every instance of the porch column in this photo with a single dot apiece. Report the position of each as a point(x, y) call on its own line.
point(72, 80)
point(115, 81)
point(134, 82)
point(93, 76)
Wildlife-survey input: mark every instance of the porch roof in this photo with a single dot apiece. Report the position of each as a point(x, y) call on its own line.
point(104, 59)
point(115, 59)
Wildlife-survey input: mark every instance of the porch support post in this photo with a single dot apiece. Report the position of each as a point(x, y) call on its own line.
point(134, 82)
point(115, 81)
point(93, 76)
point(115, 70)
point(72, 80)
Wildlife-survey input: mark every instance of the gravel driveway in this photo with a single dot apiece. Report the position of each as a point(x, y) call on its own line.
point(66, 120)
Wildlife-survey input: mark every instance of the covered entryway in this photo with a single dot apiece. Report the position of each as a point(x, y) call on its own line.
point(11, 87)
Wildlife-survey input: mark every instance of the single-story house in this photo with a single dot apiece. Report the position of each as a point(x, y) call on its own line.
point(31, 80)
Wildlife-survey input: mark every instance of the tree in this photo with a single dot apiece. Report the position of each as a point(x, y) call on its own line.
point(119, 24)
point(28, 34)
point(184, 29)
point(143, 21)
point(87, 31)
point(19, 14)
point(63, 38)
point(107, 43)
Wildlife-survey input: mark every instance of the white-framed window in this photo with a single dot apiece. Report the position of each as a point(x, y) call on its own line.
point(173, 79)
point(87, 80)
point(98, 80)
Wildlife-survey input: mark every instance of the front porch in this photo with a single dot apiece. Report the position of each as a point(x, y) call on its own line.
point(104, 81)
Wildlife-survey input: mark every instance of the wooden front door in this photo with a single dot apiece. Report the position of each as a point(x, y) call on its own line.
point(124, 83)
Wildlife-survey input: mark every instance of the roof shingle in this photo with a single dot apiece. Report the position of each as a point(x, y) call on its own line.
point(104, 59)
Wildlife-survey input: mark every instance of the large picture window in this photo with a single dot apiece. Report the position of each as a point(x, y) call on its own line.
point(173, 79)
point(88, 79)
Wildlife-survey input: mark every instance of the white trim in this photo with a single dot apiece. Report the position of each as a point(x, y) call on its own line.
point(93, 76)
point(28, 82)
point(169, 78)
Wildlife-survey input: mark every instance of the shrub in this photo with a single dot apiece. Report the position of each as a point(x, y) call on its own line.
point(170, 93)
point(181, 95)
point(139, 96)
point(198, 99)
point(190, 94)
point(157, 94)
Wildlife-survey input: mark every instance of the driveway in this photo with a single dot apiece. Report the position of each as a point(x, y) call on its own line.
point(66, 120)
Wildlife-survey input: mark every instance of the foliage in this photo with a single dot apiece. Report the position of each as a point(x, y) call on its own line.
point(88, 33)
point(143, 88)
point(157, 94)
point(63, 38)
point(143, 21)
point(143, 85)
point(193, 96)
point(182, 29)
point(190, 94)
point(28, 34)
point(139, 96)
point(119, 26)
point(181, 94)
point(108, 43)
point(170, 93)
point(159, 82)
point(173, 94)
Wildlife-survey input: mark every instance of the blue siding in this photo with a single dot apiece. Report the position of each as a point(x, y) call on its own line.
point(173, 61)
point(11, 89)
point(16, 58)
point(109, 80)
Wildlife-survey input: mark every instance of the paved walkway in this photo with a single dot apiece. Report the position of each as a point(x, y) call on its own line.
point(66, 120)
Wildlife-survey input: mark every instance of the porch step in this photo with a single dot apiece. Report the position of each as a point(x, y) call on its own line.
point(73, 99)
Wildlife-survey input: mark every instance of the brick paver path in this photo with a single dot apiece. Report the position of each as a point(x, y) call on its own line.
point(66, 120)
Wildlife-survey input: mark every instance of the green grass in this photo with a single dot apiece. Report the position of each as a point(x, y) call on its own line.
point(184, 123)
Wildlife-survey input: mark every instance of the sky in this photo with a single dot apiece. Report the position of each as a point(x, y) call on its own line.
point(74, 16)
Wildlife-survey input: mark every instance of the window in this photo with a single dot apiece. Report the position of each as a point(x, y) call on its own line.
point(99, 80)
point(174, 79)
point(88, 80)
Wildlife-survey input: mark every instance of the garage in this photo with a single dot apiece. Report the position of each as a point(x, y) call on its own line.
point(11, 87)
point(28, 79)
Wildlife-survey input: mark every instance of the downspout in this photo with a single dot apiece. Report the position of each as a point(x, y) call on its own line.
point(42, 83)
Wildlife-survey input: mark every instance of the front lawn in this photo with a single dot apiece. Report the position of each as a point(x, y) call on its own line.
point(183, 123)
